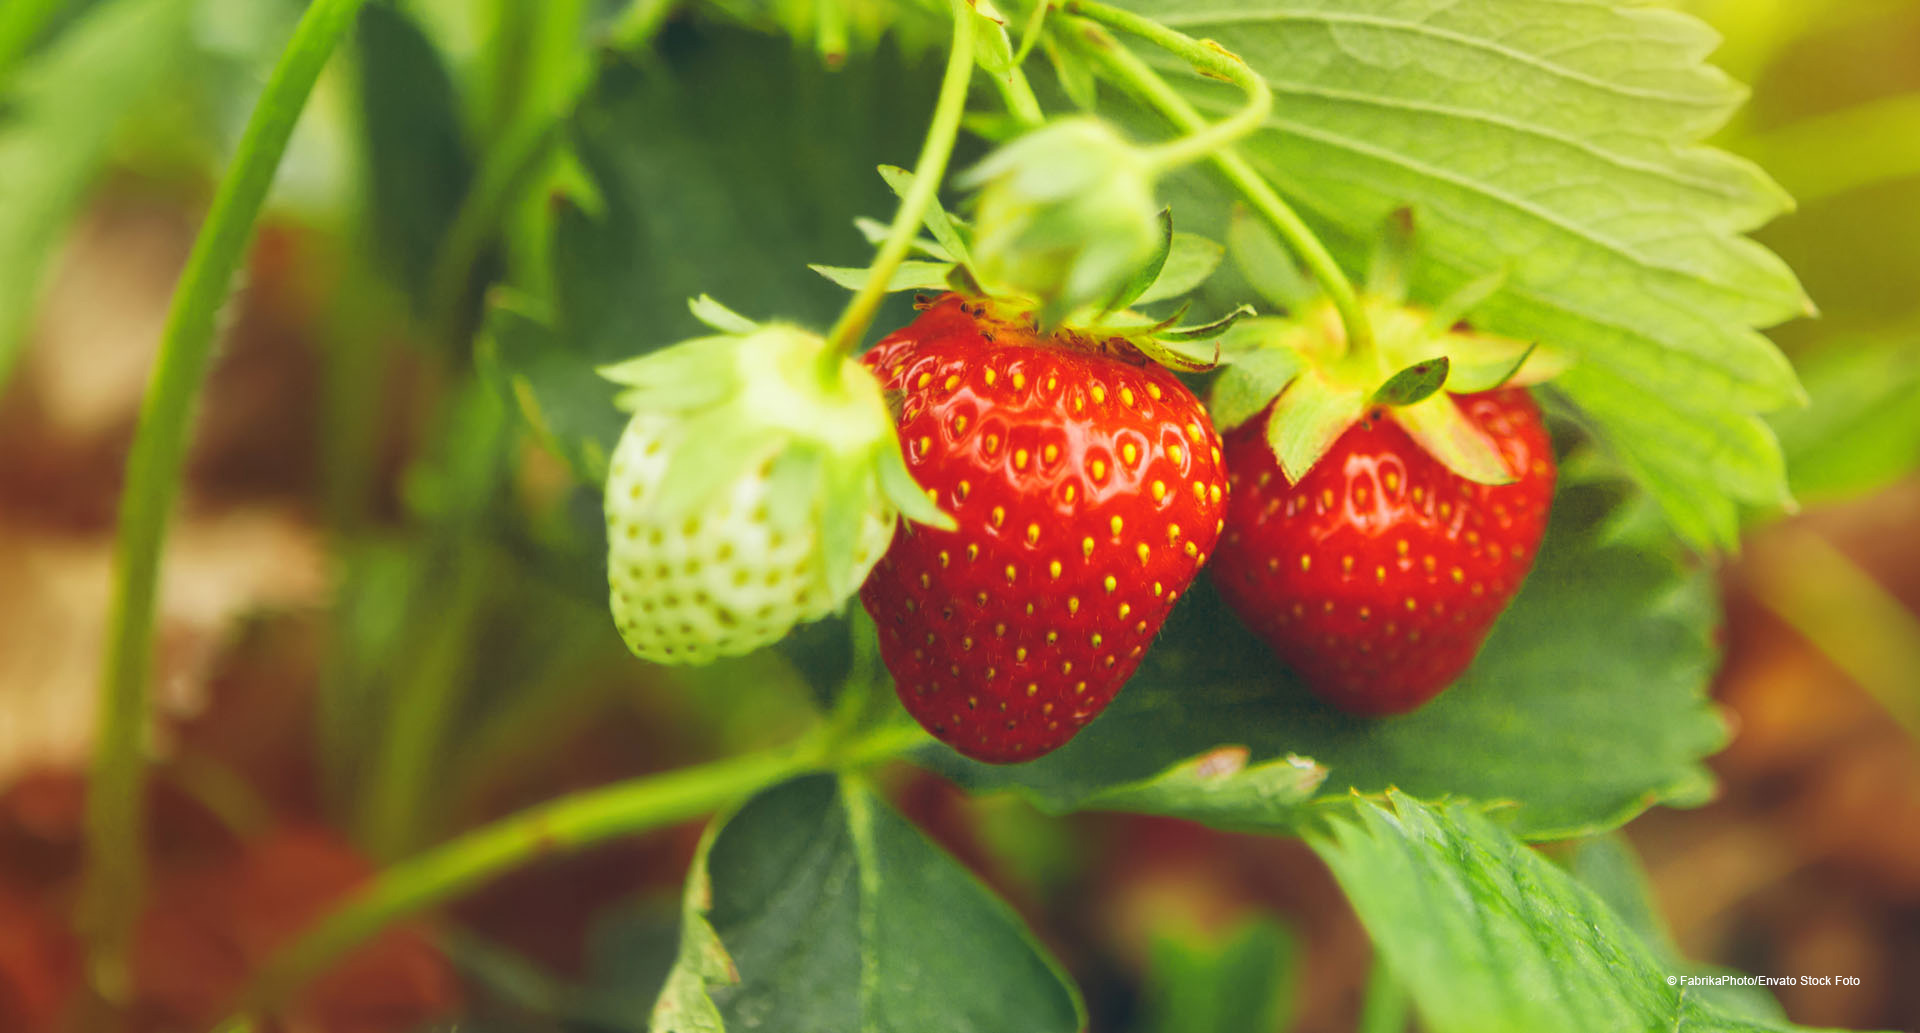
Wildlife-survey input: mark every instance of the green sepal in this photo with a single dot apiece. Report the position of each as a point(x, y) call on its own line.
point(1482, 362)
point(1150, 269)
point(713, 450)
point(993, 50)
point(793, 487)
point(1179, 355)
point(680, 396)
point(720, 317)
point(876, 232)
point(1392, 255)
point(1454, 307)
point(1416, 383)
point(1266, 265)
point(938, 222)
point(906, 494)
point(1307, 419)
point(1249, 382)
point(1438, 426)
point(1190, 260)
point(1030, 33)
point(1206, 331)
point(1219, 788)
point(1075, 74)
point(908, 276)
point(961, 279)
point(687, 362)
point(847, 491)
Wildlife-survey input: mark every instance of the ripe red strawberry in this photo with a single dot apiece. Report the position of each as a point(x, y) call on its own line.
point(1088, 490)
point(1377, 576)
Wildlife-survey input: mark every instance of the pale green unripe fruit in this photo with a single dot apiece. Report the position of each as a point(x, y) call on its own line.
point(744, 496)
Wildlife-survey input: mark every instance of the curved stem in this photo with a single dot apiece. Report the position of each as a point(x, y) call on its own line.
point(558, 826)
point(1208, 59)
point(927, 173)
point(1127, 67)
point(1021, 103)
point(114, 811)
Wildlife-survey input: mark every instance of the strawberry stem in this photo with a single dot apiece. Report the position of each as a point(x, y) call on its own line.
point(558, 826)
point(1128, 69)
point(927, 173)
point(1209, 59)
point(1018, 94)
point(115, 815)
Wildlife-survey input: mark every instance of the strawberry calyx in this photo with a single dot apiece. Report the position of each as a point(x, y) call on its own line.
point(1176, 264)
point(754, 395)
point(1313, 384)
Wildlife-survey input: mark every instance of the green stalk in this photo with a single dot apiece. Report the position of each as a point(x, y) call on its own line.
point(1021, 103)
point(1127, 68)
point(1211, 61)
point(114, 806)
point(559, 826)
point(927, 173)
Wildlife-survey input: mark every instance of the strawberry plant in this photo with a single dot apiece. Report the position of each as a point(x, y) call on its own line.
point(1315, 420)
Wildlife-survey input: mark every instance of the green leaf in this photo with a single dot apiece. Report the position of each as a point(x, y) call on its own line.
point(693, 159)
point(1559, 141)
point(908, 276)
point(696, 158)
point(701, 963)
point(1489, 936)
point(558, 394)
point(1238, 981)
point(1416, 383)
point(1608, 867)
point(839, 915)
point(1191, 259)
point(1586, 706)
point(60, 114)
point(418, 161)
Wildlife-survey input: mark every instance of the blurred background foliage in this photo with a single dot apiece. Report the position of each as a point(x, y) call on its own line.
point(382, 619)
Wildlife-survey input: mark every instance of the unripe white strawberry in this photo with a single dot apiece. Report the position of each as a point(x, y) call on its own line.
point(755, 485)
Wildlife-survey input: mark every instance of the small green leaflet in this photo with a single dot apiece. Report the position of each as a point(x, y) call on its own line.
point(1490, 937)
point(818, 904)
point(1414, 384)
point(1499, 123)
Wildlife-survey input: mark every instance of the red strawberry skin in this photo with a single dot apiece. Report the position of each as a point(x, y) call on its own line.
point(1088, 490)
point(1377, 577)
